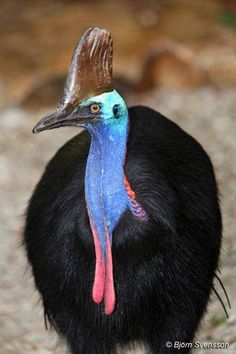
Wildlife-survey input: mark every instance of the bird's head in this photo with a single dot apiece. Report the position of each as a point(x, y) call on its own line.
point(107, 110)
point(89, 99)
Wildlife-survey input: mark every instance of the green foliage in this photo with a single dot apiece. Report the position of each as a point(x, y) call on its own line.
point(228, 19)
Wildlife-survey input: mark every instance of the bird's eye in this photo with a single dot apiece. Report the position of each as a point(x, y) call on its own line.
point(94, 108)
point(116, 111)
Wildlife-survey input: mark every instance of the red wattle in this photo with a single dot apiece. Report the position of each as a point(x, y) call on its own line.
point(99, 278)
point(109, 295)
point(103, 285)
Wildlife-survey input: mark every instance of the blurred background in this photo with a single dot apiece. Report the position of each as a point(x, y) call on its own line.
point(176, 56)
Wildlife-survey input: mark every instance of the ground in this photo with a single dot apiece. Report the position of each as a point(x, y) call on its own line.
point(207, 114)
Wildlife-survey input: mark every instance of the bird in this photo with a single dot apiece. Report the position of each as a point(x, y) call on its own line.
point(123, 230)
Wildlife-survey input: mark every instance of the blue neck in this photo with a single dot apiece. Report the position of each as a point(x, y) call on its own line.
point(105, 191)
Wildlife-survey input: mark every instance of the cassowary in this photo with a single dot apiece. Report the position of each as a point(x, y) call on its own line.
point(123, 231)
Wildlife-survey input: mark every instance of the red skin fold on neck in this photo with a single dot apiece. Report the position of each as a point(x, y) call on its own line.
point(129, 190)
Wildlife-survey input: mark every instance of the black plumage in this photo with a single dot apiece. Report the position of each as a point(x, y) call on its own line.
point(163, 269)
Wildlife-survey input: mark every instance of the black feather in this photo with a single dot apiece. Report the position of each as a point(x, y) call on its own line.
point(163, 269)
point(224, 290)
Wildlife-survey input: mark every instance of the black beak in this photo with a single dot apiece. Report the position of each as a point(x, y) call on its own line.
point(77, 118)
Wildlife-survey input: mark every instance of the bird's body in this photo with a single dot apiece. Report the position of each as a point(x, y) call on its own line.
point(163, 267)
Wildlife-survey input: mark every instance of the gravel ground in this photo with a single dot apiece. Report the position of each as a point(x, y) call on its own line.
point(207, 114)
